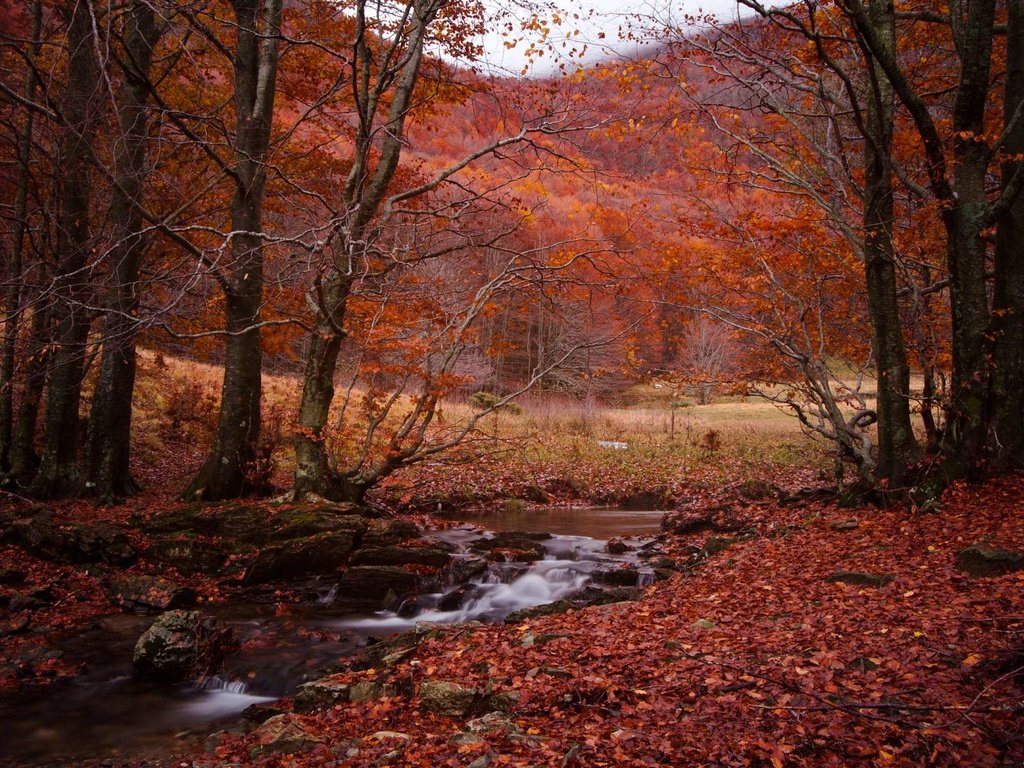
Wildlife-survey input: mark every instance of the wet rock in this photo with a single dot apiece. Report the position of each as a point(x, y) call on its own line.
point(466, 567)
point(260, 713)
point(980, 561)
point(859, 579)
point(299, 558)
point(399, 555)
point(322, 693)
point(595, 595)
point(382, 533)
point(73, 543)
point(148, 594)
point(458, 597)
point(370, 584)
point(285, 734)
point(179, 646)
point(616, 546)
point(645, 500)
point(517, 546)
point(187, 555)
point(446, 698)
point(619, 577)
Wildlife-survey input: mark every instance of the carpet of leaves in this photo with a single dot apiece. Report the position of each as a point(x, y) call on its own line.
point(752, 659)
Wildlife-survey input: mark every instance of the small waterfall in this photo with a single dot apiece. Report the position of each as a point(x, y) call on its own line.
point(216, 683)
point(329, 596)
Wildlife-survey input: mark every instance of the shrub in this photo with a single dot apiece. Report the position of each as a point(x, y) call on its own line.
point(484, 400)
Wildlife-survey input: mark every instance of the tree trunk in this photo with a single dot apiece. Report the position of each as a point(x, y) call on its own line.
point(224, 474)
point(108, 447)
point(13, 293)
point(314, 470)
point(58, 471)
point(1006, 395)
point(22, 457)
point(896, 444)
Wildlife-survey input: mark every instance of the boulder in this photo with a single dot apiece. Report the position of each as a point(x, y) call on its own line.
point(370, 690)
point(180, 646)
point(548, 609)
point(322, 693)
point(717, 519)
point(302, 522)
point(616, 546)
point(148, 594)
point(980, 561)
point(457, 597)
point(370, 584)
point(402, 555)
point(187, 555)
point(716, 544)
point(381, 533)
point(285, 734)
point(517, 546)
point(73, 543)
point(859, 579)
point(466, 567)
point(314, 555)
point(446, 698)
point(619, 577)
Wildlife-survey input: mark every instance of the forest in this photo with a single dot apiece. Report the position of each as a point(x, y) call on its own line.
point(365, 403)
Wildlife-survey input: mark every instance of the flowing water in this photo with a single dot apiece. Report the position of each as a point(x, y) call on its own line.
point(105, 713)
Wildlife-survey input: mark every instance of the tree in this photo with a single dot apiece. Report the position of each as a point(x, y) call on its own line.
point(255, 59)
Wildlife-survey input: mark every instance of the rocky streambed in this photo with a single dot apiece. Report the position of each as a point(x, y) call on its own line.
point(309, 586)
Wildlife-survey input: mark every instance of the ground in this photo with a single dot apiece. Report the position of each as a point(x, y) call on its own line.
point(805, 634)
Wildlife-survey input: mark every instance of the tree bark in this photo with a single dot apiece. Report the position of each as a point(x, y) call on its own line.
point(896, 444)
point(224, 474)
point(22, 457)
point(108, 446)
point(58, 473)
point(1006, 394)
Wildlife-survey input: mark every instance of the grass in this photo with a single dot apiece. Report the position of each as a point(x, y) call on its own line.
point(731, 438)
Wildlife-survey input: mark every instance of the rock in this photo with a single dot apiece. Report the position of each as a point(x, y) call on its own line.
point(858, 579)
point(370, 584)
point(595, 595)
point(619, 577)
point(370, 690)
point(661, 562)
point(187, 555)
point(844, 526)
point(645, 500)
point(74, 543)
point(616, 546)
point(718, 520)
point(703, 624)
point(148, 594)
point(26, 601)
point(381, 533)
point(492, 722)
point(285, 734)
point(548, 609)
point(517, 546)
point(322, 693)
point(446, 698)
point(14, 625)
point(399, 555)
point(179, 646)
point(462, 568)
point(313, 555)
point(536, 494)
point(389, 735)
point(463, 739)
point(458, 597)
point(11, 577)
point(260, 713)
point(301, 522)
point(980, 561)
point(758, 490)
point(717, 544)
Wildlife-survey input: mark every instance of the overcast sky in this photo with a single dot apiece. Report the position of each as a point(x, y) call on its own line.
point(581, 30)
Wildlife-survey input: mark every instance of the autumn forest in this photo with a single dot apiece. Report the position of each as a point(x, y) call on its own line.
point(365, 403)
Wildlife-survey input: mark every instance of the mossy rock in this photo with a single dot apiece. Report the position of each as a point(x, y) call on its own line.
point(980, 561)
point(299, 558)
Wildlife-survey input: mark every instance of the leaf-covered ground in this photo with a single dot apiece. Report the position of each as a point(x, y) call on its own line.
point(754, 658)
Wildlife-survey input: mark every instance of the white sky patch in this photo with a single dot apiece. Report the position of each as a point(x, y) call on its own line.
point(578, 34)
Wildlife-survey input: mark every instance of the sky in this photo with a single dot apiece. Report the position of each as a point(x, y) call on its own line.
point(589, 32)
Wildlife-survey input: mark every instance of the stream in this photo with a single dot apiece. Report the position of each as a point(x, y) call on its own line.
point(105, 713)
